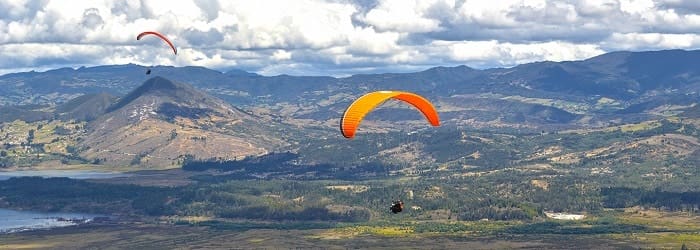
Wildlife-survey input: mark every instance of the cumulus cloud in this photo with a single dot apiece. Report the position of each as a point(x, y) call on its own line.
point(92, 19)
point(402, 15)
point(334, 37)
point(209, 8)
point(493, 53)
point(651, 41)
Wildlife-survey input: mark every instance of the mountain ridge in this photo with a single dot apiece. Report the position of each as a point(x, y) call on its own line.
point(621, 75)
point(162, 121)
point(591, 89)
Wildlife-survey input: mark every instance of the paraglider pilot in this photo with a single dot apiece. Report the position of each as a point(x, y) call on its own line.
point(396, 206)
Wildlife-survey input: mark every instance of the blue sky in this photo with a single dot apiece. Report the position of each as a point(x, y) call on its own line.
point(333, 37)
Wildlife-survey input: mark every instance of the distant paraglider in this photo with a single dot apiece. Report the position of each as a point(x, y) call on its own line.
point(162, 37)
point(359, 108)
point(396, 206)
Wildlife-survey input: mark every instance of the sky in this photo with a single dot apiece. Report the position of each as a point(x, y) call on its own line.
point(334, 37)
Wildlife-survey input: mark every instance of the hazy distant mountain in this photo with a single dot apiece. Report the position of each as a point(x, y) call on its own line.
point(82, 108)
point(61, 85)
point(238, 72)
point(28, 113)
point(619, 75)
point(86, 107)
point(627, 84)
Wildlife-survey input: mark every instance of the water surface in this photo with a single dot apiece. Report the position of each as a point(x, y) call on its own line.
point(73, 174)
point(16, 221)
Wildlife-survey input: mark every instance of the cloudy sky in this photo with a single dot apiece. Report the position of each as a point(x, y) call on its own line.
point(335, 37)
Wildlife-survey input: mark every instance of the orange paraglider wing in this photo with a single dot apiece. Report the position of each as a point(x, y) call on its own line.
point(359, 108)
point(160, 36)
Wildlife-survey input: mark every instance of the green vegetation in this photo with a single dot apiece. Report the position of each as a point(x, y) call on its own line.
point(503, 179)
point(244, 226)
point(64, 194)
point(596, 227)
point(461, 182)
point(29, 144)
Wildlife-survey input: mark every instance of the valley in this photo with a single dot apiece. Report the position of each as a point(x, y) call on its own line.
point(259, 159)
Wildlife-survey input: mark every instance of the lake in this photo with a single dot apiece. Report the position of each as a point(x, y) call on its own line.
point(16, 221)
point(73, 174)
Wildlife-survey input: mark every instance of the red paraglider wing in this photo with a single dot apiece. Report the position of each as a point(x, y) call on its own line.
point(160, 36)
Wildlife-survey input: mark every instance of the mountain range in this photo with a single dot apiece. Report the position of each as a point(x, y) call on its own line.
point(160, 123)
point(129, 117)
point(543, 92)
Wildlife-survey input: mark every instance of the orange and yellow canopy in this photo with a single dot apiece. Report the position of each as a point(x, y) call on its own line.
point(359, 108)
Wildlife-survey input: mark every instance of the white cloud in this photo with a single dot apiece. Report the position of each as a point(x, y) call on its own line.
point(402, 16)
point(509, 54)
point(280, 55)
point(636, 6)
point(330, 37)
point(652, 41)
point(368, 41)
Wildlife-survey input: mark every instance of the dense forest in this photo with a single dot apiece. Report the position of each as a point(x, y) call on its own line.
point(263, 198)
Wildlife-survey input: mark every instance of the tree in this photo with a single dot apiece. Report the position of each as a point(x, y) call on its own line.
point(71, 149)
point(30, 136)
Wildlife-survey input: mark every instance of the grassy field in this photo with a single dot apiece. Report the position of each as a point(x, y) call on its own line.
point(676, 228)
point(572, 107)
point(32, 144)
point(158, 236)
point(665, 231)
point(55, 135)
